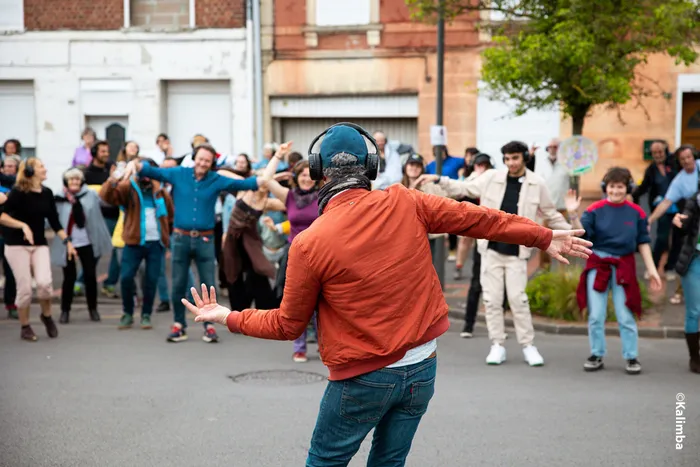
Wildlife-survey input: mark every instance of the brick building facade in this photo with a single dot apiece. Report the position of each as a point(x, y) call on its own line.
point(128, 69)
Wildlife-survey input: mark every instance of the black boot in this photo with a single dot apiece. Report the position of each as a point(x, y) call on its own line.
point(694, 351)
point(65, 317)
point(94, 315)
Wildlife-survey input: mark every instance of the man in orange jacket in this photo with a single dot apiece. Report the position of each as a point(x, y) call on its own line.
point(377, 337)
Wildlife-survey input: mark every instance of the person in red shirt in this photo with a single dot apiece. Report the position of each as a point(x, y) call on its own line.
point(377, 337)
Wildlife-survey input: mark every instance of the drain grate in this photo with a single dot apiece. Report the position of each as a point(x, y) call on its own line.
point(278, 378)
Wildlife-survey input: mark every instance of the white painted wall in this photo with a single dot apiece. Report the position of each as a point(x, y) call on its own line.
point(496, 125)
point(61, 63)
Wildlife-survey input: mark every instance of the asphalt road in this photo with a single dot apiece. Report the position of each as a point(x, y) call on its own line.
point(97, 396)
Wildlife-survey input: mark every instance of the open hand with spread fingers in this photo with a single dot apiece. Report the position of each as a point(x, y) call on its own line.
point(567, 242)
point(205, 307)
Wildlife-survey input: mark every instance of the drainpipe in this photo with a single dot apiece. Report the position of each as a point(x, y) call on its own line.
point(257, 80)
point(250, 77)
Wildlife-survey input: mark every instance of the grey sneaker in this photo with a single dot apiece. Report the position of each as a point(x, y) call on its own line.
point(633, 367)
point(593, 363)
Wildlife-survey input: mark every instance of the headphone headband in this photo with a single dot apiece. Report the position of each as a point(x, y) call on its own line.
point(371, 162)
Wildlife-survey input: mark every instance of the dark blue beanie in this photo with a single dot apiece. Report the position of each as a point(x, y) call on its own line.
point(345, 139)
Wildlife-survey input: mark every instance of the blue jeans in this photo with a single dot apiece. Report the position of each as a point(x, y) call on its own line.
point(152, 253)
point(114, 269)
point(390, 400)
point(691, 289)
point(185, 249)
point(597, 312)
point(163, 292)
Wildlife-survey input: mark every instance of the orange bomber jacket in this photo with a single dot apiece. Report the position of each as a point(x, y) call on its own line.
point(365, 265)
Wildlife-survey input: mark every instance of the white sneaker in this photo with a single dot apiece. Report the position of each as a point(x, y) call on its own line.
point(532, 356)
point(497, 355)
point(465, 334)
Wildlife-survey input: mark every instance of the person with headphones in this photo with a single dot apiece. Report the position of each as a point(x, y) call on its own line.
point(657, 179)
point(682, 187)
point(194, 191)
point(365, 265)
point(617, 228)
point(26, 248)
point(517, 190)
point(79, 210)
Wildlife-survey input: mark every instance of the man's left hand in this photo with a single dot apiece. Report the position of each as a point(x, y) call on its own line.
point(205, 308)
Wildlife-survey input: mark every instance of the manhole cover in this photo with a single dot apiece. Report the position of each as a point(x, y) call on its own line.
point(278, 378)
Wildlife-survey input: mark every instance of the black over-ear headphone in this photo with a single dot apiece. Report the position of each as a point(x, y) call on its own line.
point(526, 152)
point(630, 182)
point(28, 169)
point(93, 149)
point(371, 162)
point(209, 148)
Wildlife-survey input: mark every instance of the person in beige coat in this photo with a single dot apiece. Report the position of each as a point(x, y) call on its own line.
point(515, 191)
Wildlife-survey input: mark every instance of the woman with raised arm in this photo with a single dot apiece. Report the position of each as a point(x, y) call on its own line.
point(248, 271)
point(301, 201)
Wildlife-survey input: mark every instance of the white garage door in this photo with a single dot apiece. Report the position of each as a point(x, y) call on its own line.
point(199, 107)
point(496, 125)
point(303, 130)
point(18, 117)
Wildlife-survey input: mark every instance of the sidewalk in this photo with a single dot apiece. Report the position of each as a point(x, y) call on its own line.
point(663, 321)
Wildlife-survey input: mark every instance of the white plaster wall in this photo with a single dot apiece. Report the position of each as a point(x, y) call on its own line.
point(57, 61)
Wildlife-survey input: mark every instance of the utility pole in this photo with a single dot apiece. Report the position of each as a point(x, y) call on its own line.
point(438, 151)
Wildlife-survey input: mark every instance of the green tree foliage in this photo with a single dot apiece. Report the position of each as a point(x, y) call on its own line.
point(576, 53)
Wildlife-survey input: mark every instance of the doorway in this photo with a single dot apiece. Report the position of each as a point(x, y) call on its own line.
point(690, 120)
point(111, 129)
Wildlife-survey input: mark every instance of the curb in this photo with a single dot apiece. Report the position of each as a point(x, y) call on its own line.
point(664, 332)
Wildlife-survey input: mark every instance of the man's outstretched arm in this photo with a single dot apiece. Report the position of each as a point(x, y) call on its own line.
point(442, 215)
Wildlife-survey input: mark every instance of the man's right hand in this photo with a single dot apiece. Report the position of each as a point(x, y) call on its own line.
point(567, 242)
point(426, 178)
point(679, 219)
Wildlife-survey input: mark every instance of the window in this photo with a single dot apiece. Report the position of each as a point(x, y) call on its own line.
point(18, 118)
point(203, 107)
point(11, 15)
point(155, 14)
point(337, 13)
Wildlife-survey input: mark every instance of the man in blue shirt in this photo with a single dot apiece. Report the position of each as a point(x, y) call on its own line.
point(684, 185)
point(194, 192)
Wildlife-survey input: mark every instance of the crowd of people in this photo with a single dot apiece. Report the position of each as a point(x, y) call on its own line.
point(229, 221)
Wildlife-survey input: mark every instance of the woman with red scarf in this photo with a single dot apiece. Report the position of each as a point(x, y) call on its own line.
point(617, 229)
